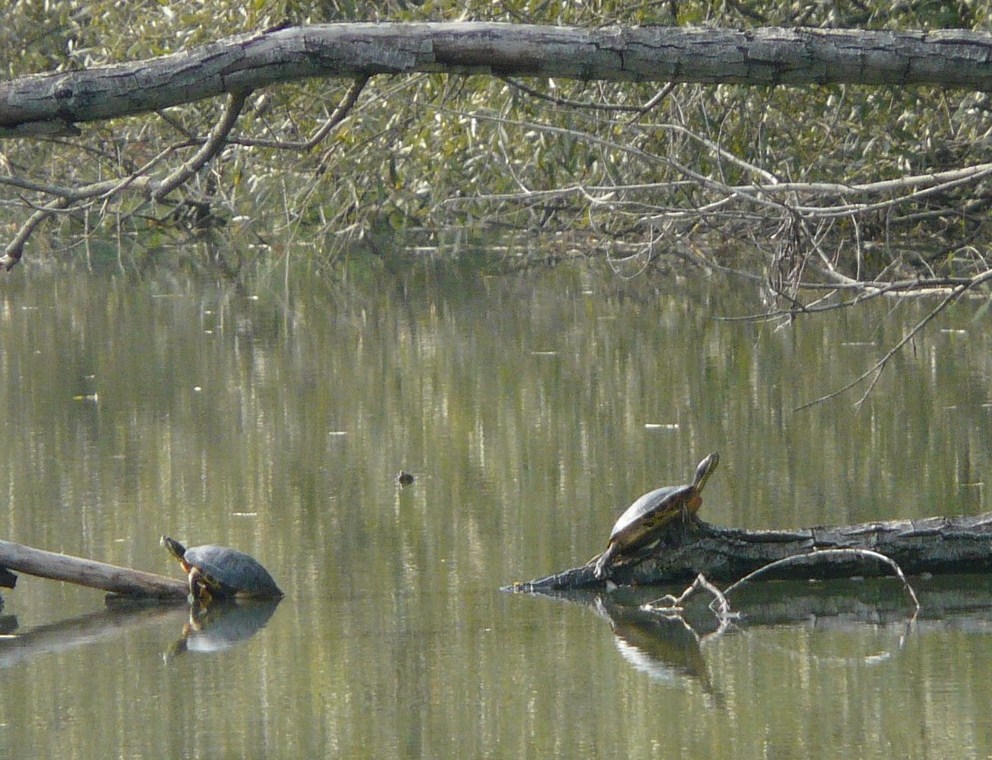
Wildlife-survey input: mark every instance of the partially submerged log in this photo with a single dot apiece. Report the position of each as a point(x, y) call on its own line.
point(87, 572)
point(931, 545)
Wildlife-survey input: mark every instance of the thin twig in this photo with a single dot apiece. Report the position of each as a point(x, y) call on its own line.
point(663, 93)
point(672, 605)
point(823, 553)
point(558, 101)
point(344, 108)
point(878, 366)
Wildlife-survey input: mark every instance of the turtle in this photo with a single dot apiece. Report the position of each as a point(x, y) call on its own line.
point(640, 523)
point(222, 573)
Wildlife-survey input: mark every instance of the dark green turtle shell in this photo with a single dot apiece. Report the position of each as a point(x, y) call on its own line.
point(229, 572)
point(656, 508)
point(648, 513)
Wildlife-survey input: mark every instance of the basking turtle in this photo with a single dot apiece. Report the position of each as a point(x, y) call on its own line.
point(640, 524)
point(222, 573)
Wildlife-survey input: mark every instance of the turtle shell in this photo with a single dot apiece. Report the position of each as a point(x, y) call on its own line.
point(653, 510)
point(229, 572)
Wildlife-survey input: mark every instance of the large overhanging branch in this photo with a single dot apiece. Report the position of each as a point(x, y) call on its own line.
point(53, 103)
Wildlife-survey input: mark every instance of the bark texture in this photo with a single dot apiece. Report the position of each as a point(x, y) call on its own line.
point(86, 572)
point(52, 104)
point(932, 545)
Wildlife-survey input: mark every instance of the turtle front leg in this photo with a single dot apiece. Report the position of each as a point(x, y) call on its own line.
point(602, 568)
point(199, 591)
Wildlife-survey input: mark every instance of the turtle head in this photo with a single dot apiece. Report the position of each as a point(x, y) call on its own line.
point(705, 469)
point(175, 548)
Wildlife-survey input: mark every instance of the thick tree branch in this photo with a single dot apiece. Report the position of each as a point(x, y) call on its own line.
point(946, 58)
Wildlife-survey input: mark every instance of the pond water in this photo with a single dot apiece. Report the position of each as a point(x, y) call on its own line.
point(531, 408)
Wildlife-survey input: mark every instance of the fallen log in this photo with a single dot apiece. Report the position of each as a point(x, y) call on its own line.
point(87, 572)
point(50, 105)
point(934, 545)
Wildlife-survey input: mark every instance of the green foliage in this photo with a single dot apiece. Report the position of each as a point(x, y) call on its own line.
point(574, 164)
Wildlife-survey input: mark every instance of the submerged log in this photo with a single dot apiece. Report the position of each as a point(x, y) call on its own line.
point(931, 545)
point(87, 572)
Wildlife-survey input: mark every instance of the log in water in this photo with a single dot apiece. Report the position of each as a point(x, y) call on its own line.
point(87, 572)
point(931, 545)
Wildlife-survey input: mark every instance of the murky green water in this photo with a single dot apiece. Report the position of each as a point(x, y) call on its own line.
point(532, 409)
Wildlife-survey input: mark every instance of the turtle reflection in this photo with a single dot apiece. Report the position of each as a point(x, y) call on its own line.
point(222, 625)
point(666, 649)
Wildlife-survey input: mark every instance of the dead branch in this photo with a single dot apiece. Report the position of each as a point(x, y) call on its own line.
point(933, 545)
point(948, 58)
point(86, 572)
point(821, 554)
point(213, 145)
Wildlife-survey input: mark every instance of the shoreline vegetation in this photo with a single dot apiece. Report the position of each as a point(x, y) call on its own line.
point(824, 157)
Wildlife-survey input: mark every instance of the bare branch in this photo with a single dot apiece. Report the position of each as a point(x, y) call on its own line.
point(822, 554)
point(876, 369)
point(140, 181)
point(215, 142)
point(764, 57)
point(15, 248)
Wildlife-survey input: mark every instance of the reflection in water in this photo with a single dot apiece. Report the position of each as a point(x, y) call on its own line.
point(668, 647)
point(531, 409)
point(8, 623)
point(7, 580)
point(665, 648)
point(83, 631)
point(222, 625)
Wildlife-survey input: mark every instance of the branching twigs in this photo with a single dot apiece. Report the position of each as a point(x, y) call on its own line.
point(663, 93)
point(759, 193)
point(671, 605)
point(807, 222)
point(342, 111)
point(15, 249)
point(141, 180)
point(823, 554)
point(213, 145)
point(875, 371)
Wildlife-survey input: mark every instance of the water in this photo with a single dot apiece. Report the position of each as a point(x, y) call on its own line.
point(532, 409)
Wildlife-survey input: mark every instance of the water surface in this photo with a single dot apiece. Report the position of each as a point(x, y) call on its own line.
point(532, 409)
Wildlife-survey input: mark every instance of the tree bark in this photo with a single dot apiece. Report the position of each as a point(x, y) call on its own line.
point(85, 572)
point(52, 104)
point(932, 545)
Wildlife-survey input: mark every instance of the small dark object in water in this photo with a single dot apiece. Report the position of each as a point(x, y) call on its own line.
point(404, 478)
